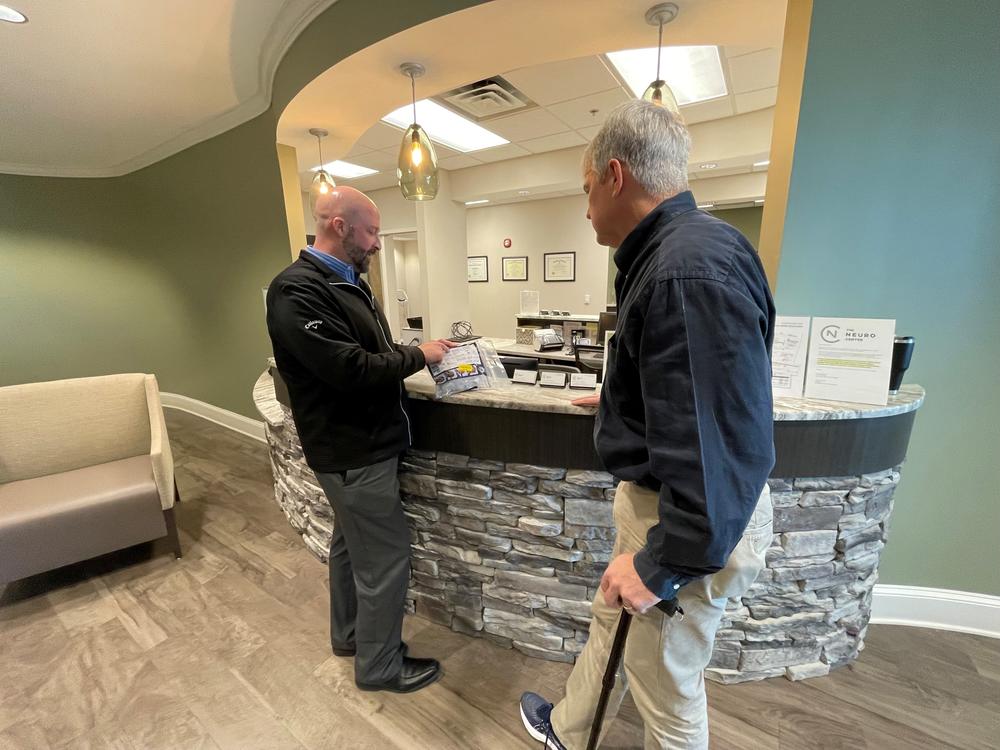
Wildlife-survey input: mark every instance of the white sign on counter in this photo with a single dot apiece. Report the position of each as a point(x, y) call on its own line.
point(850, 360)
point(551, 379)
point(788, 355)
point(583, 380)
point(525, 376)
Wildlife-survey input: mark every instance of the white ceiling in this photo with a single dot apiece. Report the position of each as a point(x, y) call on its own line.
point(96, 88)
point(573, 97)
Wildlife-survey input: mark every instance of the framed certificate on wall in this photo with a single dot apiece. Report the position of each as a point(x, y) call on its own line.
point(560, 267)
point(514, 269)
point(478, 268)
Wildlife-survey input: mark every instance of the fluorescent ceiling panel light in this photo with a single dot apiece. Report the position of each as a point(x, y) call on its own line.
point(708, 165)
point(477, 203)
point(11, 16)
point(445, 127)
point(706, 205)
point(762, 163)
point(759, 202)
point(694, 74)
point(346, 170)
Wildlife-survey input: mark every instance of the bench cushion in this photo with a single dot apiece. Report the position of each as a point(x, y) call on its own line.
point(55, 520)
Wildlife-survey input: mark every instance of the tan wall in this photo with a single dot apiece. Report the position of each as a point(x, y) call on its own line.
point(535, 228)
point(786, 120)
point(297, 225)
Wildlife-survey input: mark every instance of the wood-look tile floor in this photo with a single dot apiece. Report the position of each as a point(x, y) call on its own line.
point(228, 648)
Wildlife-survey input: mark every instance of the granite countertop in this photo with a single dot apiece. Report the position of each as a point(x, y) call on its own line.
point(521, 397)
point(557, 401)
point(265, 400)
point(909, 398)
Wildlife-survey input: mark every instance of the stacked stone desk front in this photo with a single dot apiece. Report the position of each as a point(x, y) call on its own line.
point(511, 525)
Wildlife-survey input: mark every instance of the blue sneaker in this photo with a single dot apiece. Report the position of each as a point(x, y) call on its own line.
point(536, 713)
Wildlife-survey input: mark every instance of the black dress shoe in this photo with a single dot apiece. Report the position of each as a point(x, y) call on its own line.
point(415, 674)
point(353, 650)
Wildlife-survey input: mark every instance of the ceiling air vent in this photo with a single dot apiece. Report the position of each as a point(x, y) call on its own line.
point(486, 99)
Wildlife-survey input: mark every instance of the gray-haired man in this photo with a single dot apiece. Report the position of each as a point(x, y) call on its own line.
point(685, 421)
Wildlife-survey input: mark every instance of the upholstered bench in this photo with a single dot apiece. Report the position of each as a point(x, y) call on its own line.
point(85, 469)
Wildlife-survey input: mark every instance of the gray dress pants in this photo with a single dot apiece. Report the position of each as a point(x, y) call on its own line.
point(369, 567)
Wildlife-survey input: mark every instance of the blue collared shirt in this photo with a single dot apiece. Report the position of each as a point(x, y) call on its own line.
point(336, 264)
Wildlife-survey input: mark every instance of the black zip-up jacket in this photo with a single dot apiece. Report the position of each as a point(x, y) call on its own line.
point(344, 375)
point(686, 405)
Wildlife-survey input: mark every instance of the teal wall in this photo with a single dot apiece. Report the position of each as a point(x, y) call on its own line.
point(894, 212)
point(161, 270)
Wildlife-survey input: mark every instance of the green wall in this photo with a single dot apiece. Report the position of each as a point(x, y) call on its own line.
point(747, 220)
point(161, 270)
point(893, 212)
point(157, 271)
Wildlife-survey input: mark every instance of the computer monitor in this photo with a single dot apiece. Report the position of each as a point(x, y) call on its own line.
point(607, 321)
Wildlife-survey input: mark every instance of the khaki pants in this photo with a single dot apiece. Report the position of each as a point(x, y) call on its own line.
point(664, 657)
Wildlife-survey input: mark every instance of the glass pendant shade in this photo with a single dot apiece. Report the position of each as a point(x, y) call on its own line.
point(417, 169)
point(658, 92)
point(321, 185)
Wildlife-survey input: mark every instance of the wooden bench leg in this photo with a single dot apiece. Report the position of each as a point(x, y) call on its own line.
point(175, 542)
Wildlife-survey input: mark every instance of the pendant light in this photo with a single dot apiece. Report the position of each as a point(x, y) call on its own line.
point(658, 92)
point(322, 183)
point(417, 169)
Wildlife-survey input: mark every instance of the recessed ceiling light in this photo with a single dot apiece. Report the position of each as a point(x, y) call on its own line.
point(12, 16)
point(524, 192)
point(693, 73)
point(708, 165)
point(706, 205)
point(445, 127)
point(477, 203)
point(762, 163)
point(346, 170)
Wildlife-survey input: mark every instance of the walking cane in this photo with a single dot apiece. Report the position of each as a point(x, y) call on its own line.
point(614, 661)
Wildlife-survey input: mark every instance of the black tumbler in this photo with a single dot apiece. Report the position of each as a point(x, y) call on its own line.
point(902, 352)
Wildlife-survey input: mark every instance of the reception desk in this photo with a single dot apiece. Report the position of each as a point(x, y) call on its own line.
point(511, 524)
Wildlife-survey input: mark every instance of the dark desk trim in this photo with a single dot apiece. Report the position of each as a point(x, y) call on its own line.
point(508, 435)
point(821, 448)
point(841, 447)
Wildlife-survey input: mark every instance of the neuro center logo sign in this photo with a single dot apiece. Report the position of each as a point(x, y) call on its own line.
point(830, 334)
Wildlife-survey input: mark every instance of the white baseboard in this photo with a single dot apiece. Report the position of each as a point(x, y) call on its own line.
point(916, 606)
point(230, 419)
point(943, 609)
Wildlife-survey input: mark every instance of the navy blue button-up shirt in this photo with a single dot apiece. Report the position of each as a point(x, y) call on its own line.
point(686, 405)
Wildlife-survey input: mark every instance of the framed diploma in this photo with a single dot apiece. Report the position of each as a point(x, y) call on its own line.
point(514, 269)
point(560, 267)
point(478, 268)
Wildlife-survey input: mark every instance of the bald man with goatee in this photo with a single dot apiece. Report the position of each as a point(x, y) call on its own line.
point(345, 382)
